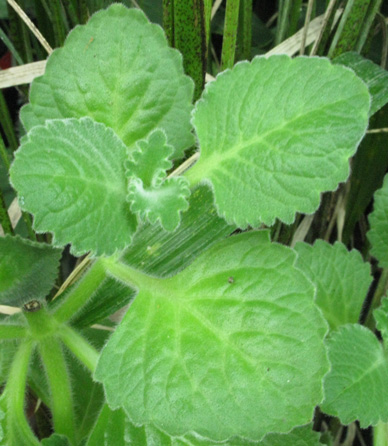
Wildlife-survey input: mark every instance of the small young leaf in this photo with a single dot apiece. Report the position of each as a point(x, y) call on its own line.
point(275, 133)
point(342, 279)
point(27, 270)
point(231, 346)
point(151, 195)
point(114, 428)
point(356, 388)
point(374, 76)
point(119, 70)
point(378, 219)
point(70, 175)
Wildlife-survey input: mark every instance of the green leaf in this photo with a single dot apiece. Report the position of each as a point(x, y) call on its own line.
point(378, 220)
point(70, 175)
point(56, 440)
point(300, 436)
point(160, 253)
point(342, 279)
point(266, 135)
point(114, 428)
point(119, 70)
point(375, 77)
point(356, 388)
point(27, 270)
point(151, 195)
point(231, 346)
point(381, 317)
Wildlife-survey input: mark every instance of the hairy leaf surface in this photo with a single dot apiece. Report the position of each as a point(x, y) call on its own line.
point(151, 196)
point(119, 70)
point(356, 388)
point(234, 338)
point(70, 175)
point(27, 270)
point(275, 133)
point(342, 279)
point(114, 428)
point(378, 219)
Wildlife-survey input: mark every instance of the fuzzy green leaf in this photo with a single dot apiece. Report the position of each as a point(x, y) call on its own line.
point(114, 428)
point(374, 76)
point(378, 219)
point(151, 196)
point(27, 270)
point(231, 346)
point(356, 388)
point(342, 279)
point(275, 133)
point(70, 175)
point(119, 70)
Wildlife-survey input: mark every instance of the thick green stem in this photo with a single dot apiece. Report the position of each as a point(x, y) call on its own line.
point(12, 332)
point(283, 21)
point(244, 41)
point(80, 347)
point(77, 298)
point(190, 39)
point(230, 34)
point(41, 323)
point(60, 388)
point(380, 435)
point(132, 277)
point(18, 430)
point(195, 175)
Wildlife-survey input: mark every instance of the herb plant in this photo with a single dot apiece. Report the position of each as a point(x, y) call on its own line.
point(238, 339)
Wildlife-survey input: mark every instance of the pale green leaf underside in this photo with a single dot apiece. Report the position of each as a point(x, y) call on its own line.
point(356, 388)
point(342, 279)
point(231, 346)
point(378, 219)
point(275, 133)
point(151, 196)
point(114, 428)
point(70, 175)
point(27, 270)
point(119, 70)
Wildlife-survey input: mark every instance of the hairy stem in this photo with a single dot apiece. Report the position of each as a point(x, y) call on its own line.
point(80, 347)
point(18, 428)
point(12, 331)
point(60, 388)
point(77, 298)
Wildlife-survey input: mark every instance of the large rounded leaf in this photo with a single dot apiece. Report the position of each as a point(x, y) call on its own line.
point(70, 174)
point(231, 346)
point(356, 388)
point(275, 133)
point(342, 279)
point(119, 70)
